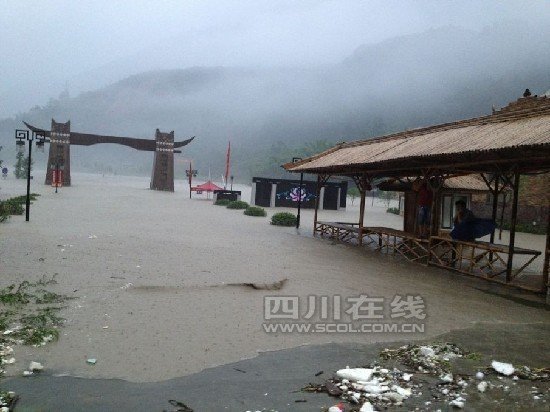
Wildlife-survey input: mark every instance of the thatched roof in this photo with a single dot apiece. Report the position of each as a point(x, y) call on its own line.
point(467, 183)
point(518, 134)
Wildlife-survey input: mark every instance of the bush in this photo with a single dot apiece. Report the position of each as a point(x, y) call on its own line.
point(11, 207)
point(283, 219)
point(222, 202)
point(539, 229)
point(394, 210)
point(23, 199)
point(237, 204)
point(255, 211)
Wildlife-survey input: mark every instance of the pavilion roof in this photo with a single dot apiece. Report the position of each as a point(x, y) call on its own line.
point(517, 135)
point(466, 183)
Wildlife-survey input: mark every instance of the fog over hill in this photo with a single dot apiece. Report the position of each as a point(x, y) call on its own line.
point(271, 114)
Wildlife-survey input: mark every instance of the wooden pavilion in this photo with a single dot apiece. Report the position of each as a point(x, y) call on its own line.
point(500, 148)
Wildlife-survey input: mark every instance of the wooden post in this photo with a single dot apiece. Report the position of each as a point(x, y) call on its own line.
point(435, 207)
point(495, 207)
point(512, 228)
point(317, 192)
point(361, 215)
point(545, 285)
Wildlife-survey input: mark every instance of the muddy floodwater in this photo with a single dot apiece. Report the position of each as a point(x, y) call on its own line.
point(160, 283)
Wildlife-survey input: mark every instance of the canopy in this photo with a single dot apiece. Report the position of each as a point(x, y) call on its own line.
point(206, 187)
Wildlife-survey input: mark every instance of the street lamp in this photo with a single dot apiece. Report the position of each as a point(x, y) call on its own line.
point(295, 160)
point(190, 173)
point(20, 137)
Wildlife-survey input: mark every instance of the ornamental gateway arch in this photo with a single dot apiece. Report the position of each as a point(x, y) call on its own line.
point(61, 139)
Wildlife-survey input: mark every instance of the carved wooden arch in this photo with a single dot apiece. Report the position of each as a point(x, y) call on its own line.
point(61, 139)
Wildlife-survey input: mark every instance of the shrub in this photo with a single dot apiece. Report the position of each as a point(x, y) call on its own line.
point(283, 219)
point(222, 202)
point(11, 207)
point(394, 210)
point(23, 199)
point(255, 211)
point(237, 204)
point(539, 229)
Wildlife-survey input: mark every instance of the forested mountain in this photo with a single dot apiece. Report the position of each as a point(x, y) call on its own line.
point(273, 114)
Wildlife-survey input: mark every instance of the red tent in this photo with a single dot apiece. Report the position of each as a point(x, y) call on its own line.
point(206, 187)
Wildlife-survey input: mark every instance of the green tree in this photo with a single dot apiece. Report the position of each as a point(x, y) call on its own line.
point(21, 166)
point(353, 193)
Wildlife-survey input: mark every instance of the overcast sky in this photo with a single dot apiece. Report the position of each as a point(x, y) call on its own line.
point(47, 45)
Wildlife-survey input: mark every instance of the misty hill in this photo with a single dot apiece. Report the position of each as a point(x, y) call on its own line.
point(271, 115)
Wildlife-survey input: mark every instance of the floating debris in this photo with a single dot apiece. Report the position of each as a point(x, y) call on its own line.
point(91, 361)
point(262, 286)
point(35, 366)
point(181, 407)
point(457, 403)
point(482, 386)
point(8, 400)
point(425, 359)
point(375, 387)
point(337, 408)
point(503, 368)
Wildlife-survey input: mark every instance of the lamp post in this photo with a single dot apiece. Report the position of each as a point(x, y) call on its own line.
point(20, 137)
point(190, 173)
point(295, 160)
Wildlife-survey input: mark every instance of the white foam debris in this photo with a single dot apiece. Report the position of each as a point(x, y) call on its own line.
point(35, 366)
point(92, 237)
point(503, 367)
point(367, 407)
point(482, 386)
point(480, 375)
point(457, 403)
point(355, 374)
point(394, 397)
point(404, 392)
point(27, 373)
point(407, 377)
point(427, 351)
point(448, 377)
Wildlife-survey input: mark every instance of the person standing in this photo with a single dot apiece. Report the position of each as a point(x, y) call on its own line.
point(424, 200)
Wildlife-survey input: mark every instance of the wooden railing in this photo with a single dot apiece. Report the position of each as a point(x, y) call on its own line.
point(481, 259)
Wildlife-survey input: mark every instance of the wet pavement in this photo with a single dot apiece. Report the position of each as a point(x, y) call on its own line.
point(272, 381)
